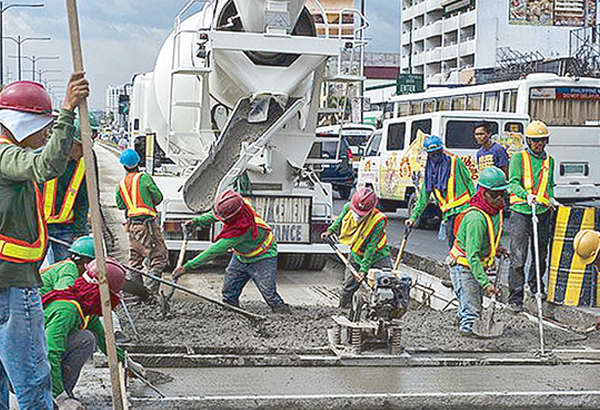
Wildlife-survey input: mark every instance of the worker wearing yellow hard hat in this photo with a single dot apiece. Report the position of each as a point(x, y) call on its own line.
point(587, 248)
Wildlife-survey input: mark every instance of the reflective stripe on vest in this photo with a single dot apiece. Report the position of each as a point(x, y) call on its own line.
point(129, 187)
point(541, 190)
point(66, 212)
point(85, 320)
point(460, 256)
point(19, 251)
point(355, 234)
point(267, 241)
point(451, 201)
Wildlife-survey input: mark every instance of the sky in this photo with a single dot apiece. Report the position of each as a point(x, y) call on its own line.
point(121, 38)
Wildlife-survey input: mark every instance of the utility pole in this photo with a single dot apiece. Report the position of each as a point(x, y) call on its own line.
point(33, 60)
point(20, 41)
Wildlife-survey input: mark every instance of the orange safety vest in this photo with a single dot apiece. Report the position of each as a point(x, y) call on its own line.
point(19, 251)
point(541, 190)
point(129, 187)
point(66, 211)
point(460, 256)
point(266, 243)
point(355, 234)
point(451, 201)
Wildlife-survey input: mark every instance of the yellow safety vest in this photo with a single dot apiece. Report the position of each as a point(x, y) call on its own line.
point(85, 320)
point(19, 251)
point(129, 187)
point(266, 243)
point(66, 211)
point(451, 201)
point(460, 256)
point(541, 190)
point(355, 234)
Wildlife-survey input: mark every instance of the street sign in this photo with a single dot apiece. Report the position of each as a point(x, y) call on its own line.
point(409, 83)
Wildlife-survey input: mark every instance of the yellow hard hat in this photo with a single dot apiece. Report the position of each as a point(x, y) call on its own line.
point(537, 129)
point(587, 245)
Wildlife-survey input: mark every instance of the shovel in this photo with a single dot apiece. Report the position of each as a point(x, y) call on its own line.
point(402, 247)
point(538, 275)
point(485, 327)
point(166, 296)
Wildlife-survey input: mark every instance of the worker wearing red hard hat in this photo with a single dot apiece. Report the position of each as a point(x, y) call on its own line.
point(254, 250)
point(362, 227)
point(26, 119)
point(73, 327)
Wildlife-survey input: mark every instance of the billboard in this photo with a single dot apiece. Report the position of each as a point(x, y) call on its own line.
point(332, 10)
point(558, 13)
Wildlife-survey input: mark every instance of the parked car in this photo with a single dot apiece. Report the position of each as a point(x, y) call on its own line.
point(356, 135)
point(331, 159)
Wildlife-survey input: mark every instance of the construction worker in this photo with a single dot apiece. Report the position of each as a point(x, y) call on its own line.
point(254, 250)
point(587, 248)
point(73, 328)
point(531, 177)
point(490, 153)
point(478, 230)
point(66, 202)
point(62, 274)
point(362, 227)
point(449, 180)
point(138, 195)
point(25, 118)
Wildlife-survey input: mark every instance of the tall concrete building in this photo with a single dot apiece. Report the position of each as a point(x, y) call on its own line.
point(441, 36)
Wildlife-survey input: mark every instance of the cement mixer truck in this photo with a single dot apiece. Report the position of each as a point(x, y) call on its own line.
point(232, 104)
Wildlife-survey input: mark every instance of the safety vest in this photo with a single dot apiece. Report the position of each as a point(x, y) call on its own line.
point(17, 250)
point(451, 201)
point(541, 190)
point(267, 241)
point(85, 320)
point(355, 234)
point(460, 256)
point(129, 187)
point(66, 211)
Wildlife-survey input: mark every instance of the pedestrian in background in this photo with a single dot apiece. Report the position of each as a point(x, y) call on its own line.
point(490, 153)
point(26, 117)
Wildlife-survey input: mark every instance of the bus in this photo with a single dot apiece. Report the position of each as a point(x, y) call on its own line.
point(570, 106)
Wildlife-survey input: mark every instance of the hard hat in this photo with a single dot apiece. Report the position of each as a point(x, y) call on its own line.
point(433, 143)
point(83, 246)
point(26, 96)
point(95, 126)
point(587, 245)
point(227, 205)
point(363, 201)
point(115, 274)
point(493, 178)
point(537, 129)
point(129, 158)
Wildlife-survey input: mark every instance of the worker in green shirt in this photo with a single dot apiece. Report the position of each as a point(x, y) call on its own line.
point(362, 227)
point(254, 250)
point(138, 195)
point(73, 328)
point(531, 177)
point(62, 274)
point(26, 123)
point(478, 232)
point(450, 182)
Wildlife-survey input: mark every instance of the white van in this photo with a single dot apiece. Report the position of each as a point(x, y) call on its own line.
point(356, 135)
point(393, 158)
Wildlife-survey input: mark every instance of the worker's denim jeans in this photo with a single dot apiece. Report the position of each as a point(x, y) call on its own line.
point(23, 350)
point(58, 252)
point(521, 240)
point(80, 347)
point(263, 273)
point(469, 293)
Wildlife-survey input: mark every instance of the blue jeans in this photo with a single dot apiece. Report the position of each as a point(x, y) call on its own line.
point(23, 350)
point(263, 273)
point(80, 347)
point(57, 252)
point(469, 294)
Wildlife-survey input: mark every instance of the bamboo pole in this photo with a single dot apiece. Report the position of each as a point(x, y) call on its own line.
point(118, 398)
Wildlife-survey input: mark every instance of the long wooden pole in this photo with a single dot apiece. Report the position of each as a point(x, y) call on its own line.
point(118, 397)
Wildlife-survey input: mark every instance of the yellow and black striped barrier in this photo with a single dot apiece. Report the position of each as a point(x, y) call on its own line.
point(570, 282)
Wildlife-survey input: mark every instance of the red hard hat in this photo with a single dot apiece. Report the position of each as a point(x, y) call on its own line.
point(363, 201)
point(115, 273)
point(227, 205)
point(26, 96)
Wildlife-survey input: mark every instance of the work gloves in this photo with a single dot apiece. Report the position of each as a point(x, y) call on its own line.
point(64, 402)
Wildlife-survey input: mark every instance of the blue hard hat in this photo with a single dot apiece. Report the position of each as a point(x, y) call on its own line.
point(433, 143)
point(129, 158)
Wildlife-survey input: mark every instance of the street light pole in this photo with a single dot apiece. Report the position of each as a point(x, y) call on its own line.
point(33, 59)
point(2, 10)
point(20, 41)
point(42, 72)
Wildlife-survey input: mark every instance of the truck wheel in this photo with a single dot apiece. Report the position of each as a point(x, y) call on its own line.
point(291, 261)
point(314, 261)
point(344, 191)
